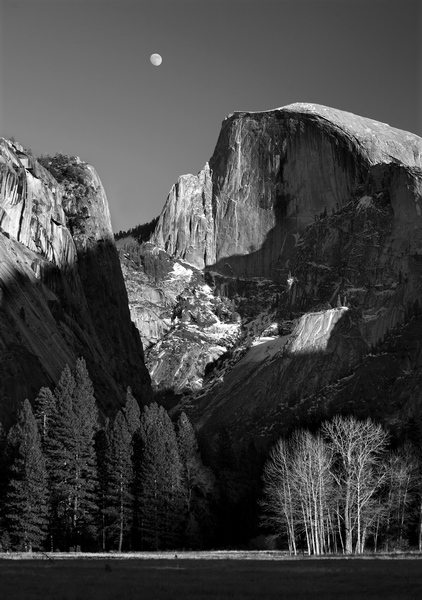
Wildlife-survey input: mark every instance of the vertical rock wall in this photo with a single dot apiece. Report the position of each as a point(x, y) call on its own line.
point(62, 289)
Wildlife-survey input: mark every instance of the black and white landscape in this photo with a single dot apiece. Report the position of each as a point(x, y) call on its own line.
point(221, 398)
point(270, 290)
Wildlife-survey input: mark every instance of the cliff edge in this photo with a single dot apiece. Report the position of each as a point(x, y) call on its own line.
point(62, 290)
point(271, 173)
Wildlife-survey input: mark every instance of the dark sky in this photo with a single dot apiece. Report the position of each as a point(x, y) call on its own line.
point(75, 77)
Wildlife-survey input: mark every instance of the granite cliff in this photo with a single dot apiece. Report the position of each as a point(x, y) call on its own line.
point(62, 290)
point(282, 285)
point(309, 220)
point(270, 175)
point(185, 326)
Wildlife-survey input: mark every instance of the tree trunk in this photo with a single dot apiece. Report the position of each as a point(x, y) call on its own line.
point(122, 510)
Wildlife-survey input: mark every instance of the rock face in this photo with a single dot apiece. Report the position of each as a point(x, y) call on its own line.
point(184, 326)
point(270, 175)
point(62, 290)
point(310, 219)
point(186, 226)
point(31, 210)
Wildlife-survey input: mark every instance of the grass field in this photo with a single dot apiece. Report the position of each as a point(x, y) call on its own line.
point(218, 578)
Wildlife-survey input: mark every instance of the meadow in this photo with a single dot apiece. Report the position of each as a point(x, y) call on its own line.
point(209, 576)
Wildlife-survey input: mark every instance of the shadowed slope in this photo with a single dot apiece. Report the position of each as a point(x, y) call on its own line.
point(63, 294)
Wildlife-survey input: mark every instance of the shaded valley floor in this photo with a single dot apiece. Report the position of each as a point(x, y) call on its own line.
point(165, 579)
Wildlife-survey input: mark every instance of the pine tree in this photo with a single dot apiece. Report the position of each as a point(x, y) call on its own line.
point(119, 493)
point(3, 465)
point(132, 412)
point(197, 484)
point(70, 447)
point(103, 472)
point(86, 416)
point(60, 449)
point(44, 405)
point(4, 536)
point(159, 481)
point(26, 506)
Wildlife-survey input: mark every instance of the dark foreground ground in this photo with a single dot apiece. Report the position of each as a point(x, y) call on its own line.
point(189, 579)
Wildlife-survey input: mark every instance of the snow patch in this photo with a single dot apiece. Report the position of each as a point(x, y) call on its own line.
point(206, 290)
point(263, 340)
point(180, 272)
point(265, 348)
point(223, 331)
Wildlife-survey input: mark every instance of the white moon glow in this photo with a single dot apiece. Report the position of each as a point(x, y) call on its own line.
point(156, 60)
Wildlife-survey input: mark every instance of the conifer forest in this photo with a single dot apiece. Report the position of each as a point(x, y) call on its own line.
point(72, 481)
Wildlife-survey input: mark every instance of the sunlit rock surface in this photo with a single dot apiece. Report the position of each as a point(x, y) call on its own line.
point(31, 209)
point(270, 175)
point(186, 226)
point(314, 330)
point(62, 290)
point(185, 327)
point(310, 218)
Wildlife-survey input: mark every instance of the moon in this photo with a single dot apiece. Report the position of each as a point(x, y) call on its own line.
point(156, 60)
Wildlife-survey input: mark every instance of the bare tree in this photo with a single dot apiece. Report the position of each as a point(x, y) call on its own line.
point(313, 485)
point(403, 480)
point(298, 488)
point(278, 503)
point(358, 448)
point(340, 488)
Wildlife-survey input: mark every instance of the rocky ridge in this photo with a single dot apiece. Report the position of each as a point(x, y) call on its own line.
point(270, 175)
point(308, 219)
point(62, 291)
point(184, 326)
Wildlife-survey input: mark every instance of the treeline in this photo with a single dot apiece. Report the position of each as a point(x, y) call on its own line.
point(66, 482)
point(141, 233)
point(69, 171)
point(342, 490)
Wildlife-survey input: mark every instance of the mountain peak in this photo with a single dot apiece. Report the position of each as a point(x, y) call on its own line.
point(271, 173)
